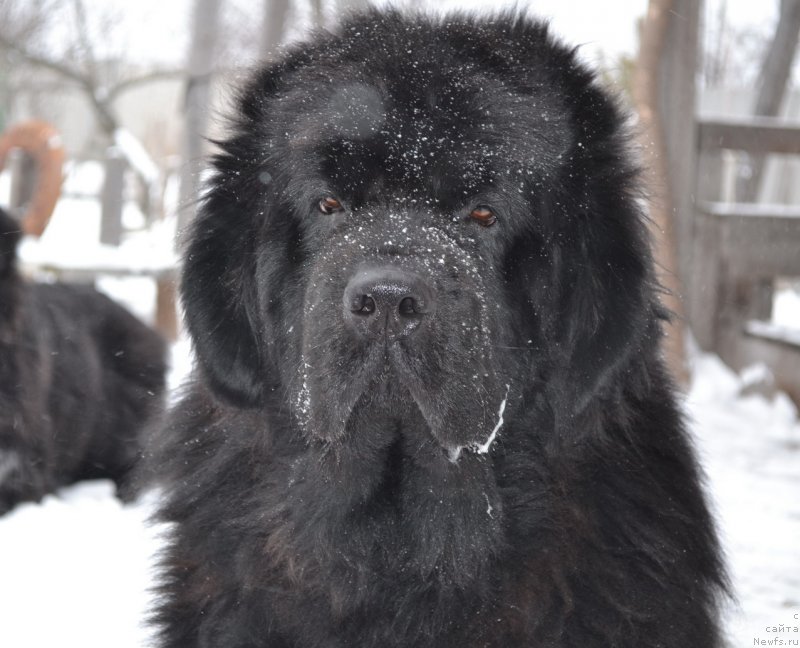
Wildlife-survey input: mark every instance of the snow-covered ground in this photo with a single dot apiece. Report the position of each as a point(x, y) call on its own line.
point(75, 570)
point(750, 446)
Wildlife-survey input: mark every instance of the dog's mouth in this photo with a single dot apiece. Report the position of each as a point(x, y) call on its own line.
point(455, 397)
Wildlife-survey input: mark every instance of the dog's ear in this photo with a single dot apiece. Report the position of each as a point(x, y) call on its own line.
point(584, 270)
point(605, 303)
point(10, 234)
point(602, 261)
point(218, 295)
point(218, 285)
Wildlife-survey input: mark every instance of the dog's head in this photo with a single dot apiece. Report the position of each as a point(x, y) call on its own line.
point(433, 218)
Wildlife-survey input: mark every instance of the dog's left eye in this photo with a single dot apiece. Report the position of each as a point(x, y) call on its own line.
point(484, 215)
point(330, 205)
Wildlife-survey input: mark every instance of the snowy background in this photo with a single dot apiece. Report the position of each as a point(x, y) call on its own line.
point(77, 568)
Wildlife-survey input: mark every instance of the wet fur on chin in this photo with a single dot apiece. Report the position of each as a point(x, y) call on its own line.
point(516, 472)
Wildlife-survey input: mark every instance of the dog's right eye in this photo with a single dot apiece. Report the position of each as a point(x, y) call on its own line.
point(483, 215)
point(329, 205)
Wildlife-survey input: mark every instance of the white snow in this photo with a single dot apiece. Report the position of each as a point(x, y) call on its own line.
point(790, 334)
point(136, 155)
point(75, 571)
point(484, 447)
point(750, 447)
point(71, 243)
point(70, 246)
point(786, 305)
point(454, 453)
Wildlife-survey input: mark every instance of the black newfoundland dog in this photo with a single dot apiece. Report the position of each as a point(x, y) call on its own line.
point(79, 377)
point(431, 410)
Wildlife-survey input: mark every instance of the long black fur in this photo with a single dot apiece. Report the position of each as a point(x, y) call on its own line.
point(326, 492)
point(79, 379)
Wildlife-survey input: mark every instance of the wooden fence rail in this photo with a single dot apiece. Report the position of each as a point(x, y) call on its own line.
point(739, 250)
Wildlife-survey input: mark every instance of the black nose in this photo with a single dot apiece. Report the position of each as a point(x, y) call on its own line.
point(388, 302)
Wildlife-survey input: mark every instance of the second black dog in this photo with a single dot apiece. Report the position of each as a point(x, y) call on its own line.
point(79, 378)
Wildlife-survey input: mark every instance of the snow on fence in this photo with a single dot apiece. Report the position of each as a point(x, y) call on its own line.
point(81, 245)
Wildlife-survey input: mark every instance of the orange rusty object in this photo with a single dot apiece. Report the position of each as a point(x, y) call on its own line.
point(43, 143)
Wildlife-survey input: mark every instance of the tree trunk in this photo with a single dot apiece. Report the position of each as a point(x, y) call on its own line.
point(201, 61)
point(646, 92)
point(678, 111)
point(276, 13)
point(347, 6)
point(317, 14)
point(775, 73)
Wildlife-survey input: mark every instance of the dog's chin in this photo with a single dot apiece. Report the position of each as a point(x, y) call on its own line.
point(374, 397)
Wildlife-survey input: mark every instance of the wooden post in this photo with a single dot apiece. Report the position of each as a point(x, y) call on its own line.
point(111, 198)
point(166, 304)
point(678, 103)
point(276, 13)
point(23, 180)
point(650, 90)
point(317, 14)
point(745, 293)
point(348, 6)
point(202, 50)
point(704, 284)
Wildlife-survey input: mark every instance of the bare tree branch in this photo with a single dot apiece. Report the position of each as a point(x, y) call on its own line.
point(83, 70)
point(84, 41)
point(156, 75)
point(11, 45)
point(103, 110)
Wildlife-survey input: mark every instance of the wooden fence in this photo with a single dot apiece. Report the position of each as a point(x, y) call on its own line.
point(23, 185)
point(739, 249)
